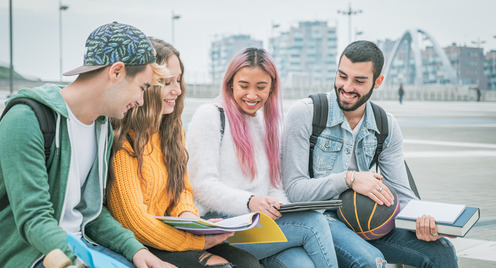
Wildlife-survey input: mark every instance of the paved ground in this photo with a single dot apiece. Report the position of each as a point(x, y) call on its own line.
point(451, 150)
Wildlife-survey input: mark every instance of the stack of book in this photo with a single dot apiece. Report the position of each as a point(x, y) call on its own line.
point(451, 219)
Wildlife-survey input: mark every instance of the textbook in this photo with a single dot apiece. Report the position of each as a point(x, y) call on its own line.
point(249, 228)
point(312, 205)
point(442, 212)
point(460, 227)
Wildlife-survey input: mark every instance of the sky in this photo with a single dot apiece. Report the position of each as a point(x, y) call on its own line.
point(36, 25)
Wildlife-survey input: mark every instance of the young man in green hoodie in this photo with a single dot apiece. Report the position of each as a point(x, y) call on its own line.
point(40, 202)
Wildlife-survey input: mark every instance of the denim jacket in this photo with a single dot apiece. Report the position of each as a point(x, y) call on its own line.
point(333, 151)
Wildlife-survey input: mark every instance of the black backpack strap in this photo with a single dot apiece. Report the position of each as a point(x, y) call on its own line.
point(45, 118)
point(382, 124)
point(47, 125)
point(319, 122)
point(222, 121)
point(411, 181)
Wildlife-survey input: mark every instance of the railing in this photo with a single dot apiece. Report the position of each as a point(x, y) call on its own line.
point(385, 92)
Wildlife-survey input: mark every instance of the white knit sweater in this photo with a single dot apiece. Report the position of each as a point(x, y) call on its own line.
point(214, 171)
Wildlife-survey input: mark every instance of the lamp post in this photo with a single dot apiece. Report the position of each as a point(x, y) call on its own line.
point(478, 42)
point(11, 70)
point(61, 8)
point(348, 13)
point(173, 18)
point(357, 33)
point(273, 29)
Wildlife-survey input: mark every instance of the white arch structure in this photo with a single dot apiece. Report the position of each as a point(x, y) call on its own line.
point(410, 36)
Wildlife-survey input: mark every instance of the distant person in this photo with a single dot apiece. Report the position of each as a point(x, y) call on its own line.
point(41, 202)
point(151, 177)
point(341, 160)
point(401, 92)
point(234, 163)
point(478, 91)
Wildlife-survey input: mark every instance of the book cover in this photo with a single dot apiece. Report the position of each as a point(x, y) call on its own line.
point(442, 212)
point(249, 228)
point(312, 205)
point(91, 258)
point(460, 227)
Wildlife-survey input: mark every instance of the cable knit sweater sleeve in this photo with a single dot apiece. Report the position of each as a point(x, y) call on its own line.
point(134, 202)
point(214, 192)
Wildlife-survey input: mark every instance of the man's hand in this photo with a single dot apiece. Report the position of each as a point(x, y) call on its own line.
point(265, 204)
point(145, 259)
point(427, 230)
point(213, 240)
point(370, 184)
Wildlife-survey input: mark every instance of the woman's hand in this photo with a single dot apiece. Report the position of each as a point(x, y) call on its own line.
point(265, 204)
point(213, 240)
point(370, 184)
point(187, 214)
point(145, 259)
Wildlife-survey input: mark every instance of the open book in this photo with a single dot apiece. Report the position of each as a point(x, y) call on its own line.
point(312, 205)
point(249, 228)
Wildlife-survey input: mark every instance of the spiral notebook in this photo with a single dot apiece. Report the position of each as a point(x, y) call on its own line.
point(441, 212)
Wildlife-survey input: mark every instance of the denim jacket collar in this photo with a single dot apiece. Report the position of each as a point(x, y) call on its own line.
point(336, 116)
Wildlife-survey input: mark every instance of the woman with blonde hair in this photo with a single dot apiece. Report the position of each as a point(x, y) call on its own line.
point(151, 177)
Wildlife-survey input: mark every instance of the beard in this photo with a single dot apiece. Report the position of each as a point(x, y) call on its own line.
point(352, 107)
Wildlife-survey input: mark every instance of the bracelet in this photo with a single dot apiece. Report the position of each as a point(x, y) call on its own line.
point(248, 203)
point(351, 180)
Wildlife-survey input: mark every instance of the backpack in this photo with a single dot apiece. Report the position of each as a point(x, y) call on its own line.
point(222, 121)
point(45, 118)
point(47, 125)
point(319, 122)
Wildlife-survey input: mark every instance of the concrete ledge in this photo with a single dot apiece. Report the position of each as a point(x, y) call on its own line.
point(475, 249)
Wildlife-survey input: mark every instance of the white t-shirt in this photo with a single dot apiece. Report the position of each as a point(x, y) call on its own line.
point(83, 153)
point(353, 164)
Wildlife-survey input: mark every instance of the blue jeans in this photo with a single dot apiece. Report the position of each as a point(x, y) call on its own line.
point(400, 246)
point(309, 242)
point(101, 249)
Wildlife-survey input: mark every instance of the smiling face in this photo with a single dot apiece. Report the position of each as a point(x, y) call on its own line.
point(127, 93)
point(251, 89)
point(172, 86)
point(354, 83)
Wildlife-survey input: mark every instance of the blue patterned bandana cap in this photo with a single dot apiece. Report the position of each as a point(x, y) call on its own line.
point(115, 42)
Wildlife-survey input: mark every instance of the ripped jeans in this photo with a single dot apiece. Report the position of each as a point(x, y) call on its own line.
point(400, 246)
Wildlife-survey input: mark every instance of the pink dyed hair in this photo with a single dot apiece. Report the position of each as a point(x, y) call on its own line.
point(254, 57)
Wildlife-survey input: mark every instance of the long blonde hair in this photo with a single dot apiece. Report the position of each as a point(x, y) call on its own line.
point(142, 122)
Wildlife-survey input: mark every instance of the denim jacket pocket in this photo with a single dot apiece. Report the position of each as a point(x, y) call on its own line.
point(326, 152)
point(369, 151)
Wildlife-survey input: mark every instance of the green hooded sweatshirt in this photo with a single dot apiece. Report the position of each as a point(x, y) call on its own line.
point(29, 221)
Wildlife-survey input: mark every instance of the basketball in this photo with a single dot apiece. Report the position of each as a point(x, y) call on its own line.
point(365, 217)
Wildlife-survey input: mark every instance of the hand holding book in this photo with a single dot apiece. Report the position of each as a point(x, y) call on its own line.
point(450, 219)
point(249, 228)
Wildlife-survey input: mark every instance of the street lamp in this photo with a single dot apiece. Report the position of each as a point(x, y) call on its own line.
point(61, 8)
point(274, 27)
point(349, 12)
point(11, 70)
point(478, 42)
point(173, 18)
point(358, 33)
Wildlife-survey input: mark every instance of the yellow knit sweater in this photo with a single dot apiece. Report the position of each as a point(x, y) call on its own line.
point(134, 202)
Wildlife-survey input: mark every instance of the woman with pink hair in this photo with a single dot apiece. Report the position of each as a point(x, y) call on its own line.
point(234, 164)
